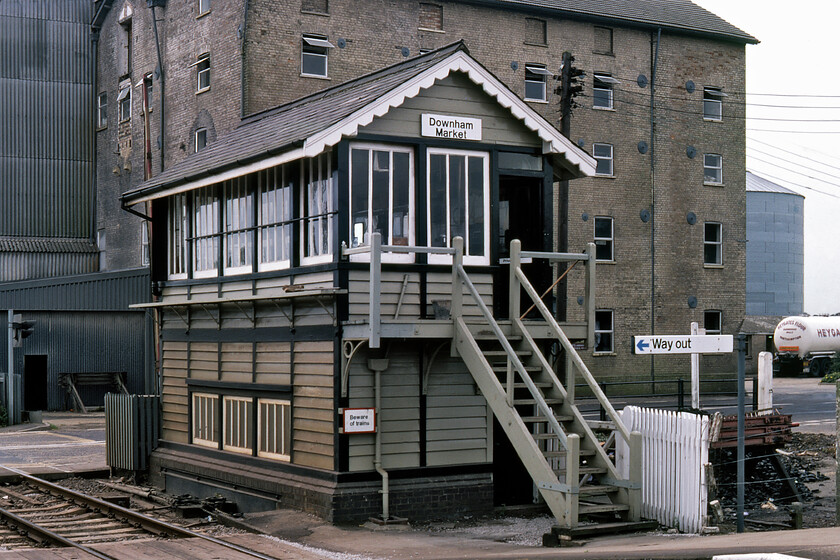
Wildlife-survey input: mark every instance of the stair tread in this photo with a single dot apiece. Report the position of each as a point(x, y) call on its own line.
point(585, 508)
point(503, 353)
point(540, 384)
point(536, 419)
point(553, 454)
point(532, 401)
point(597, 489)
point(592, 529)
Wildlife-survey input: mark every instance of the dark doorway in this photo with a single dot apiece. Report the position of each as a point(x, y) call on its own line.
point(520, 217)
point(35, 382)
point(512, 485)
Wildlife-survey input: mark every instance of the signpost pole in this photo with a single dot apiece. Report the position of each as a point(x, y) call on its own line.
point(10, 395)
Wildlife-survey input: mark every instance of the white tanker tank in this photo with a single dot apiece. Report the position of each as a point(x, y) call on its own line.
point(812, 341)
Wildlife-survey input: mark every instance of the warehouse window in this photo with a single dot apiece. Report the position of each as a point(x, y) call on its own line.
point(535, 32)
point(275, 215)
point(713, 169)
point(274, 429)
point(713, 104)
point(712, 321)
point(603, 154)
point(603, 238)
point(536, 78)
point(604, 332)
point(239, 226)
point(602, 91)
point(102, 110)
point(124, 102)
point(603, 40)
point(382, 196)
point(205, 419)
point(238, 424)
point(317, 209)
point(314, 51)
point(202, 73)
point(713, 244)
point(315, 6)
point(200, 139)
point(431, 17)
point(457, 201)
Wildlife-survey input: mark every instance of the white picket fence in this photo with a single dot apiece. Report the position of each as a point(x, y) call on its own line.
point(675, 454)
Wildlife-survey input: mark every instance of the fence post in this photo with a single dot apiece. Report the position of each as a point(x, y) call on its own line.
point(375, 289)
point(456, 306)
point(681, 394)
point(634, 494)
point(572, 479)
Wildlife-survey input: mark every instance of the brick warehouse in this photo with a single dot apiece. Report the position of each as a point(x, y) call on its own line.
point(660, 110)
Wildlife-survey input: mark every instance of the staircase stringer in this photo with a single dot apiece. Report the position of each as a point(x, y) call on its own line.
point(560, 498)
point(578, 425)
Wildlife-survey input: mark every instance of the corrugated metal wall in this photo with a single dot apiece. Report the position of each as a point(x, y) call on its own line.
point(100, 341)
point(46, 123)
point(102, 291)
point(22, 266)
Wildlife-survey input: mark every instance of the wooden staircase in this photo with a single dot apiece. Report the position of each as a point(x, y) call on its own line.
point(578, 480)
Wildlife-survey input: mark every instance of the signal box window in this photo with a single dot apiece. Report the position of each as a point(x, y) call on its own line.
point(603, 239)
point(604, 332)
point(314, 52)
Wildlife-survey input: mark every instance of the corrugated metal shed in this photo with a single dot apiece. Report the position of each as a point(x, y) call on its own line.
point(760, 184)
point(46, 133)
point(102, 291)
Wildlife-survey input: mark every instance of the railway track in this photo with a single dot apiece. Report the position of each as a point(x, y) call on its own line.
point(39, 513)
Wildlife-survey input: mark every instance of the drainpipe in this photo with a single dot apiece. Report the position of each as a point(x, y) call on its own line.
point(378, 366)
point(162, 81)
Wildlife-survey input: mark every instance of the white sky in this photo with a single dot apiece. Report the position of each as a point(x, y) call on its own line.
point(796, 56)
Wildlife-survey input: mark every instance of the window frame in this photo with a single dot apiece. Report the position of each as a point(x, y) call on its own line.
point(206, 231)
point(610, 331)
point(719, 168)
point(713, 244)
point(210, 404)
point(231, 439)
point(391, 149)
point(285, 406)
point(325, 217)
point(145, 255)
point(178, 234)
point(468, 259)
point(439, 9)
point(602, 158)
point(267, 222)
point(318, 46)
point(538, 75)
point(610, 241)
point(124, 103)
point(713, 97)
point(203, 7)
point(238, 202)
point(199, 144)
point(709, 313)
point(202, 72)
point(607, 85)
point(102, 110)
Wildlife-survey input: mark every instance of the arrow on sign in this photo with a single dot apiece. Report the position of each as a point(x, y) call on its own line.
point(642, 345)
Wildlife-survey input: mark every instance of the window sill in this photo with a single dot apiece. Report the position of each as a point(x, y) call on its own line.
point(613, 261)
point(128, 120)
point(605, 53)
point(600, 176)
point(543, 101)
point(545, 45)
point(611, 109)
point(202, 90)
point(713, 266)
point(708, 184)
point(101, 128)
point(202, 14)
point(311, 13)
point(316, 76)
point(602, 354)
point(431, 30)
point(707, 119)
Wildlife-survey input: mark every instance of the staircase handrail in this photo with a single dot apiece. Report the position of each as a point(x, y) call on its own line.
point(511, 355)
point(570, 350)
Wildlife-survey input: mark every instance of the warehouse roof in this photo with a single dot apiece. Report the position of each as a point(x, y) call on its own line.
point(682, 15)
point(760, 184)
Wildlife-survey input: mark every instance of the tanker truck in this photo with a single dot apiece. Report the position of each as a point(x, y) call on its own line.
point(807, 344)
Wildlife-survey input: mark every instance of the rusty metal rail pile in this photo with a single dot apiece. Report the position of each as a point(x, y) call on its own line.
point(760, 429)
point(40, 513)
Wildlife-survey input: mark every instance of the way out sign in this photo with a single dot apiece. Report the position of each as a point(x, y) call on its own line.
point(683, 344)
